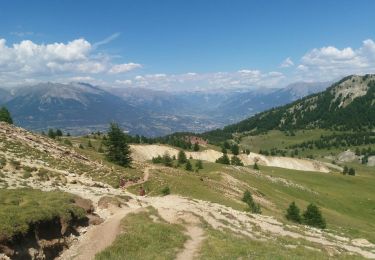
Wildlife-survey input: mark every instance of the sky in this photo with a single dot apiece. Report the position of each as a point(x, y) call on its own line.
point(185, 44)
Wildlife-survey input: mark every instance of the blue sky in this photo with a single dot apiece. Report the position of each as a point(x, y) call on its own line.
point(185, 44)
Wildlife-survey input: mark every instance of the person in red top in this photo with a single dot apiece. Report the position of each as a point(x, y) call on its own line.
point(142, 191)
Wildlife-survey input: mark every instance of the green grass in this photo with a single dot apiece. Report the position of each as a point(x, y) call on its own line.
point(278, 139)
point(142, 238)
point(204, 185)
point(347, 202)
point(219, 245)
point(20, 208)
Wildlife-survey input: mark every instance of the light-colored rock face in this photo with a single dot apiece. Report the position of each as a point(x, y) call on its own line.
point(351, 89)
point(371, 161)
point(147, 152)
point(347, 156)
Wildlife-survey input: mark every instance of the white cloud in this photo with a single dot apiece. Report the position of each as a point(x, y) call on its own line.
point(287, 63)
point(123, 68)
point(29, 60)
point(206, 81)
point(329, 62)
point(126, 82)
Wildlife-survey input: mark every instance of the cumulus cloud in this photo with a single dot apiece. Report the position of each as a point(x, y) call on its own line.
point(327, 63)
point(29, 60)
point(287, 63)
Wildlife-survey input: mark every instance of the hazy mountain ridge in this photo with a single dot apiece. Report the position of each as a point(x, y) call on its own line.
point(347, 104)
point(80, 108)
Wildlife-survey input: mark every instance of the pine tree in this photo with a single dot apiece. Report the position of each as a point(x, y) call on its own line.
point(351, 171)
point(235, 149)
point(167, 160)
point(188, 166)
point(199, 164)
point(346, 170)
point(196, 147)
point(313, 217)
point(118, 151)
point(293, 213)
point(100, 149)
point(256, 167)
point(5, 116)
point(236, 161)
point(51, 134)
point(89, 144)
point(181, 157)
point(59, 132)
point(248, 199)
point(223, 159)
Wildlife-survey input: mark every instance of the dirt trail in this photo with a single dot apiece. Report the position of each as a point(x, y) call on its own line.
point(192, 246)
point(146, 176)
point(99, 237)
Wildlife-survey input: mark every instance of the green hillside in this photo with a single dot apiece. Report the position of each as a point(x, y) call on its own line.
point(331, 109)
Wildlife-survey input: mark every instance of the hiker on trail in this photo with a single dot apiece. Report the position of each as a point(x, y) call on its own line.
point(122, 183)
point(142, 191)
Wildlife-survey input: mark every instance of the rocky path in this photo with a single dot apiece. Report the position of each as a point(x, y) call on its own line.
point(192, 246)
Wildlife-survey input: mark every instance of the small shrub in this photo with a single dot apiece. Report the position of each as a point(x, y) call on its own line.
point(16, 164)
point(256, 167)
point(26, 175)
point(68, 142)
point(248, 199)
point(157, 159)
point(166, 191)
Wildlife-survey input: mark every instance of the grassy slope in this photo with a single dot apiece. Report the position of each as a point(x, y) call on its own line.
point(21, 207)
point(145, 239)
point(219, 245)
point(343, 199)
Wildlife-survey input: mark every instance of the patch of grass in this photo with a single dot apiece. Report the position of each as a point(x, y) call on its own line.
point(220, 245)
point(144, 239)
point(204, 185)
point(20, 208)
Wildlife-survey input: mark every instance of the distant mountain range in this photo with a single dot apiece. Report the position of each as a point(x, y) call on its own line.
point(80, 108)
point(348, 104)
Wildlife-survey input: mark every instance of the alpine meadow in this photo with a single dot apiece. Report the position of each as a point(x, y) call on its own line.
point(187, 130)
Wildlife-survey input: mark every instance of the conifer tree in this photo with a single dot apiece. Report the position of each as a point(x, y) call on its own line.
point(118, 151)
point(223, 159)
point(248, 199)
point(5, 116)
point(196, 147)
point(313, 217)
point(351, 171)
point(256, 167)
point(188, 166)
point(236, 161)
point(293, 213)
point(181, 157)
point(235, 149)
point(167, 160)
point(199, 164)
